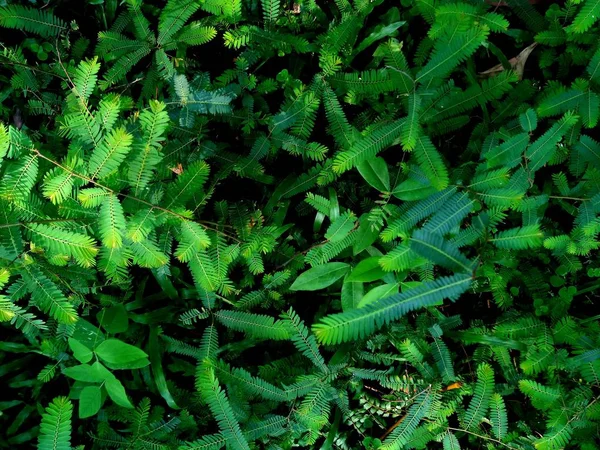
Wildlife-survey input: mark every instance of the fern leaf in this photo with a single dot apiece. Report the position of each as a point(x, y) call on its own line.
point(255, 325)
point(19, 177)
point(339, 127)
point(111, 222)
point(208, 442)
point(587, 16)
point(147, 254)
point(542, 397)
point(208, 385)
point(431, 163)
point(253, 385)
point(439, 251)
point(556, 438)
point(509, 152)
point(271, 426)
point(122, 66)
point(543, 149)
point(411, 129)
point(111, 152)
point(85, 78)
point(303, 340)
point(417, 212)
point(448, 54)
point(209, 343)
point(480, 402)
point(32, 20)
point(498, 416)
point(196, 33)
point(368, 146)
point(146, 156)
point(369, 82)
point(187, 185)
point(172, 18)
point(358, 323)
point(529, 236)
point(63, 242)
point(450, 215)
point(450, 442)
point(270, 10)
point(593, 68)
point(55, 429)
point(400, 436)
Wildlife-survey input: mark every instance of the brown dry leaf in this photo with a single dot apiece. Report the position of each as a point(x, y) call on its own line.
point(178, 169)
point(517, 63)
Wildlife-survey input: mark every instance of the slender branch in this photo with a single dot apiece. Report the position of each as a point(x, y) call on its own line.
point(481, 436)
point(569, 198)
point(19, 224)
point(131, 197)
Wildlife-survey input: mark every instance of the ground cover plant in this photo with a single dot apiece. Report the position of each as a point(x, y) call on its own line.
point(314, 224)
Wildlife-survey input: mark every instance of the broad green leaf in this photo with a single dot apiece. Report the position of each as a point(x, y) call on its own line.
point(121, 355)
point(81, 353)
point(114, 388)
point(528, 120)
point(367, 270)
point(84, 372)
point(379, 292)
point(352, 293)
point(365, 235)
point(375, 172)
point(114, 319)
point(340, 227)
point(320, 277)
point(90, 401)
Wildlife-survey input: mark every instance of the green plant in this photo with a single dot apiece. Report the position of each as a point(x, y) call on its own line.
point(279, 224)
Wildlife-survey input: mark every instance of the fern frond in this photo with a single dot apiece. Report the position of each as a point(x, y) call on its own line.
point(587, 16)
point(111, 222)
point(522, 238)
point(59, 241)
point(187, 185)
point(146, 150)
point(368, 146)
point(480, 402)
point(255, 325)
point(450, 52)
point(450, 215)
point(543, 149)
point(196, 33)
point(208, 385)
point(498, 417)
point(542, 397)
point(439, 251)
point(411, 129)
point(400, 436)
point(303, 340)
point(55, 429)
point(431, 163)
point(419, 211)
point(172, 18)
point(111, 152)
point(252, 385)
point(19, 177)
point(32, 20)
point(358, 323)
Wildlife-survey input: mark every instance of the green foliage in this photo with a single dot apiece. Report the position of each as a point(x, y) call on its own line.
point(299, 224)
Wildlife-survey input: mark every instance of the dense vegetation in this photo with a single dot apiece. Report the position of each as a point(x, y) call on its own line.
point(318, 224)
